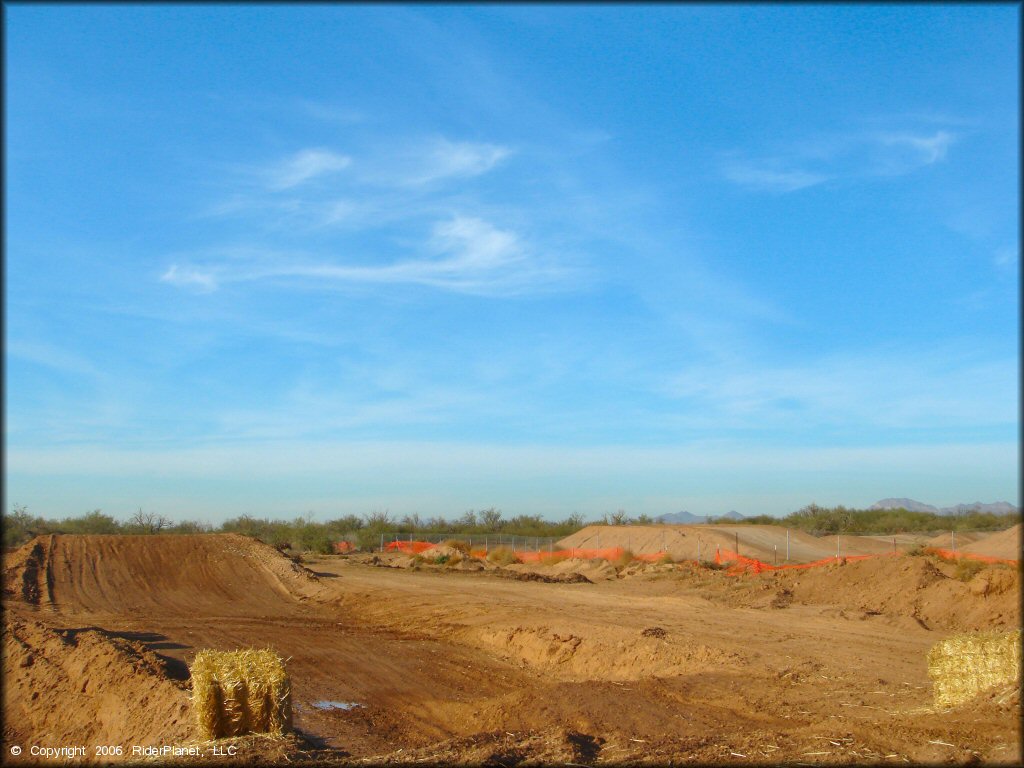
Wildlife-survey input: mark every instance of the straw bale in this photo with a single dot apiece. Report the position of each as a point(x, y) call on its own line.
point(240, 692)
point(963, 666)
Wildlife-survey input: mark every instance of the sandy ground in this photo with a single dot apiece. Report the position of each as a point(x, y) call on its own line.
point(768, 543)
point(1005, 544)
point(651, 663)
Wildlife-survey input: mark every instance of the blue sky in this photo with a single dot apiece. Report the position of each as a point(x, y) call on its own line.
point(551, 259)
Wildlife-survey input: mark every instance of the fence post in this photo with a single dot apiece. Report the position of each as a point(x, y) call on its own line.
point(737, 542)
point(787, 545)
point(698, 551)
point(513, 544)
point(894, 545)
point(775, 559)
point(837, 546)
point(486, 550)
point(382, 543)
point(952, 538)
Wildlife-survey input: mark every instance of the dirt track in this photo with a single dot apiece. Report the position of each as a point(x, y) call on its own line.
point(658, 663)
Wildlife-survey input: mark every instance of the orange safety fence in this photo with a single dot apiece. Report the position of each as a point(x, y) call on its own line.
point(410, 547)
point(738, 564)
point(527, 556)
point(951, 554)
point(741, 564)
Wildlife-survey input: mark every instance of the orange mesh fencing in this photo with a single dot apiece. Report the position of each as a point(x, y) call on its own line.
point(741, 564)
point(950, 554)
point(738, 564)
point(410, 547)
point(527, 556)
point(343, 547)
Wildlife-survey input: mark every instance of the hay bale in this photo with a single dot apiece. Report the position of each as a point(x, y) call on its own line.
point(965, 665)
point(240, 692)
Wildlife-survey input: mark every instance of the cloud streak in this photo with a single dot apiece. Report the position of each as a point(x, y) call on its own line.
point(305, 166)
point(883, 390)
point(864, 156)
point(754, 177)
point(466, 255)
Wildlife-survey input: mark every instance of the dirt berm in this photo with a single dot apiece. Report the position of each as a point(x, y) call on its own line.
point(212, 574)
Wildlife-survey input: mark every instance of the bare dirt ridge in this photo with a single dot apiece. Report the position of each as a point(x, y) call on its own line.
point(638, 663)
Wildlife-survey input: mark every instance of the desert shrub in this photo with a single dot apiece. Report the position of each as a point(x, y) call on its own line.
point(918, 550)
point(458, 544)
point(502, 556)
point(711, 565)
point(452, 560)
point(666, 559)
point(92, 522)
point(442, 559)
point(624, 558)
point(968, 569)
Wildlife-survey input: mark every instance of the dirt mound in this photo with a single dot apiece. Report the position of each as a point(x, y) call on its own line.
point(1004, 544)
point(918, 588)
point(600, 653)
point(525, 575)
point(768, 543)
point(593, 570)
point(215, 574)
point(962, 539)
point(51, 677)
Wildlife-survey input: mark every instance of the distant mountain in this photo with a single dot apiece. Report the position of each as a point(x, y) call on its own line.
point(685, 518)
point(681, 518)
point(998, 508)
point(908, 504)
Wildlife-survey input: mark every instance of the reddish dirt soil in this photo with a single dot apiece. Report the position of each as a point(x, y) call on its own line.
point(767, 543)
point(1005, 544)
point(648, 664)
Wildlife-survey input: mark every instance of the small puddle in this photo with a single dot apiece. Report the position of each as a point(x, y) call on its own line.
point(343, 705)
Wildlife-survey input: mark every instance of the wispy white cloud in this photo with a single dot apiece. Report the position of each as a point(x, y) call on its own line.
point(883, 389)
point(1006, 259)
point(929, 149)
point(200, 280)
point(464, 254)
point(448, 159)
point(765, 178)
point(51, 356)
point(846, 157)
point(332, 113)
point(430, 163)
point(306, 165)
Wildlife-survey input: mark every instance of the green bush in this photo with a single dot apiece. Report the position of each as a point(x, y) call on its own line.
point(502, 556)
point(968, 569)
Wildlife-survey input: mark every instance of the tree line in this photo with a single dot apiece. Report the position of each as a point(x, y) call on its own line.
point(301, 533)
point(821, 521)
point(304, 534)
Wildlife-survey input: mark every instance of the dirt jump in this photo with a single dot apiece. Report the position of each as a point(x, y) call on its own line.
point(400, 660)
